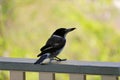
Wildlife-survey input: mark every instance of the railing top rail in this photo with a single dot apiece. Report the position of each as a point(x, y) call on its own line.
point(69, 66)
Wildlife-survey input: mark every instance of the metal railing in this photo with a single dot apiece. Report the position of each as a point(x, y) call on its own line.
point(77, 70)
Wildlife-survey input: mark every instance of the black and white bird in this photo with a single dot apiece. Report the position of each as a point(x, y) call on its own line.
point(54, 46)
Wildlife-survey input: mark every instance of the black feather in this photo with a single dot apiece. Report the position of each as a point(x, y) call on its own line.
point(54, 43)
point(41, 59)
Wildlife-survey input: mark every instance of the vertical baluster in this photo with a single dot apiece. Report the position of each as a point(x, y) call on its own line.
point(77, 77)
point(46, 76)
point(17, 75)
point(109, 77)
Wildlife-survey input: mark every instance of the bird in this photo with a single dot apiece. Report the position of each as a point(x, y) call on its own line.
point(54, 46)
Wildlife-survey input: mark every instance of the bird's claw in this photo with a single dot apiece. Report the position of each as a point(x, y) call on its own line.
point(61, 59)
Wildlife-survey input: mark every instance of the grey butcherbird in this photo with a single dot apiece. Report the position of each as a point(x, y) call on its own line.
point(54, 45)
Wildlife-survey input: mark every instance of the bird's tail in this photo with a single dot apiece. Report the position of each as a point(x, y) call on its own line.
point(42, 58)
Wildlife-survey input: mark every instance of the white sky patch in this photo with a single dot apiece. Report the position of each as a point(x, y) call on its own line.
point(116, 3)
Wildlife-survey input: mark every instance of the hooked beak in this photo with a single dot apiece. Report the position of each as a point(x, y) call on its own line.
point(70, 29)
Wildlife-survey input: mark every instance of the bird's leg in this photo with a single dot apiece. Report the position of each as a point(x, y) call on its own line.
point(58, 59)
point(54, 59)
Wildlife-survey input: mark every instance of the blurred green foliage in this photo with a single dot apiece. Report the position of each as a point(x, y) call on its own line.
point(26, 25)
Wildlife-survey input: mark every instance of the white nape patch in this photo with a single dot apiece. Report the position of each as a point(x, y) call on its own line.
point(57, 36)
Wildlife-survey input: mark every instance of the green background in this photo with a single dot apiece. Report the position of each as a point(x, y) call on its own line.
point(25, 26)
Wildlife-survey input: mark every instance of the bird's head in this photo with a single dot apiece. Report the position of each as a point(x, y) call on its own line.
point(63, 31)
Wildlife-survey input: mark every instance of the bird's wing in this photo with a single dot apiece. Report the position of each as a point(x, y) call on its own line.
point(54, 43)
point(47, 46)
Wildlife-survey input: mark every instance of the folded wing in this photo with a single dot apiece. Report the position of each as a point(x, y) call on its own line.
point(54, 43)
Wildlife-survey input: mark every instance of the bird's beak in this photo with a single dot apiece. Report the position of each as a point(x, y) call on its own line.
point(70, 29)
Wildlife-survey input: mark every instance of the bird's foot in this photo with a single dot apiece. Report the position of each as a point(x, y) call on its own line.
point(61, 60)
point(58, 59)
